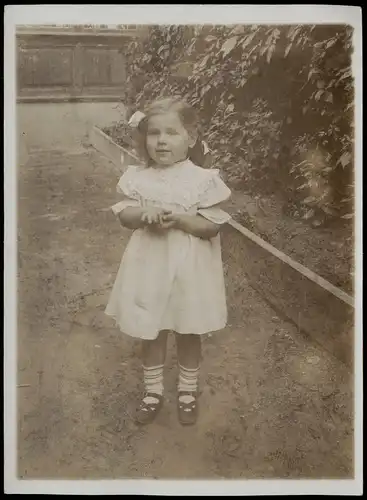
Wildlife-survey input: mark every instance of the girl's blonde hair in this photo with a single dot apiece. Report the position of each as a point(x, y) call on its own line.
point(188, 117)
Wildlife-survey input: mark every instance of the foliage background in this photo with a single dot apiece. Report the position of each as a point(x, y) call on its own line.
point(276, 104)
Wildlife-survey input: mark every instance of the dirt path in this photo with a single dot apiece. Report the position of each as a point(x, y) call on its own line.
point(272, 405)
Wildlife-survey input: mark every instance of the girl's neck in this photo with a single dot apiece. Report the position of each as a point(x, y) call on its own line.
point(152, 164)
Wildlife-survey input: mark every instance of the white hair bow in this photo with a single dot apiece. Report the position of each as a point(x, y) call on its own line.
point(136, 118)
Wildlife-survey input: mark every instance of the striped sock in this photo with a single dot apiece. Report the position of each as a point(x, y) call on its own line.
point(153, 381)
point(188, 382)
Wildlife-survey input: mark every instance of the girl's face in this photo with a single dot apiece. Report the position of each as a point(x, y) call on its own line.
point(167, 140)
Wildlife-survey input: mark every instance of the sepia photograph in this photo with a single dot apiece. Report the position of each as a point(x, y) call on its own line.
point(185, 239)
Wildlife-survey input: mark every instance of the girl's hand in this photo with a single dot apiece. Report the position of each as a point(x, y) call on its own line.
point(169, 221)
point(166, 220)
point(153, 215)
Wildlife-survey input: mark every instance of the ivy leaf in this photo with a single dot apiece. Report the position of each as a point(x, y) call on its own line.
point(204, 90)
point(287, 50)
point(238, 30)
point(203, 61)
point(229, 45)
point(346, 73)
point(349, 106)
point(248, 40)
point(309, 199)
point(345, 159)
point(263, 50)
point(318, 94)
point(162, 47)
point(309, 214)
point(331, 43)
point(270, 53)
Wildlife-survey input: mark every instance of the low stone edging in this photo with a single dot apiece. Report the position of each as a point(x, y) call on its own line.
point(116, 153)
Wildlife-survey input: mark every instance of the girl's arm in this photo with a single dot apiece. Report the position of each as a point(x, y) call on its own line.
point(137, 217)
point(196, 225)
point(131, 217)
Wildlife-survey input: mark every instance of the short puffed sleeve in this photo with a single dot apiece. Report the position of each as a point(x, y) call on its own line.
point(125, 187)
point(215, 192)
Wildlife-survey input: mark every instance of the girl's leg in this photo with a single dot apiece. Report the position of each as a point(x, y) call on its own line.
point(189, 356)
point(153, 356)
point(154, 351)
point(188, 350)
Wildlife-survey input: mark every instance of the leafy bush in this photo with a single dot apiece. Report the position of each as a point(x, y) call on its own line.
point(276, 104)
point(122, 134)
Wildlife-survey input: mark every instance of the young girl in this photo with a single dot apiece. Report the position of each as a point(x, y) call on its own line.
point(171, 274)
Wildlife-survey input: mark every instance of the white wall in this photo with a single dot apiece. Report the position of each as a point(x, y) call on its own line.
point(61, 125)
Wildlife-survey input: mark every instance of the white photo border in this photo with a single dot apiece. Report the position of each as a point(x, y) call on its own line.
point(165, 14)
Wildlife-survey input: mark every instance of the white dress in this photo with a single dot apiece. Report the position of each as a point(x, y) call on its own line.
point(171, 281)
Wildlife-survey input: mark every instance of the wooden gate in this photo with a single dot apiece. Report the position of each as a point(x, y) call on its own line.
point(57, 64)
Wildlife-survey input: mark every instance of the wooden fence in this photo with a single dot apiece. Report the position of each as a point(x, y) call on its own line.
point(66, 65)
